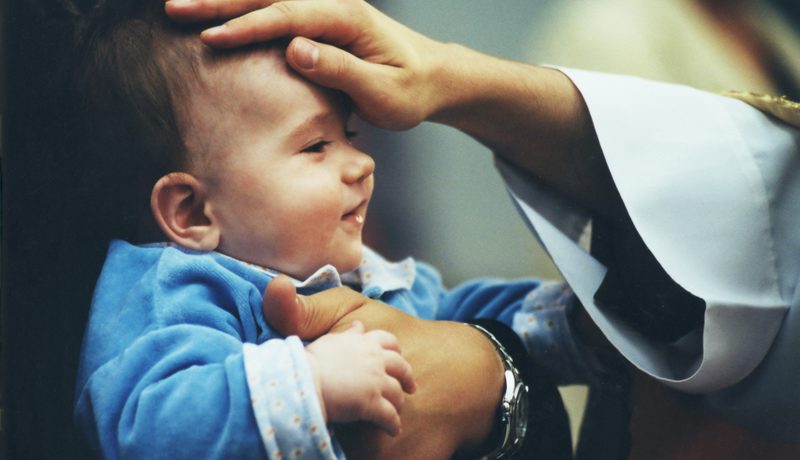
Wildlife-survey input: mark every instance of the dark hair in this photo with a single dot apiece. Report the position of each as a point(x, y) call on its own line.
point(130, 71)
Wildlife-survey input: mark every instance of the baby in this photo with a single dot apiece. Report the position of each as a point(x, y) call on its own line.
point(250, 173)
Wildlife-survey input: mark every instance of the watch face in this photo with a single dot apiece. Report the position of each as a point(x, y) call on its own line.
point(521, 403)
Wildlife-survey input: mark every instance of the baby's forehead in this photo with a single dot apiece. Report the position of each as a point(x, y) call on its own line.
point(229, 83)
point(257, 65)
point(243, 94)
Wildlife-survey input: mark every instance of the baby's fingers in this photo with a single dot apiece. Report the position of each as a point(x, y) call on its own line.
point(356, 327)
point(393, 392)
point(400, 369)
point(385, 339)
point(384, 414)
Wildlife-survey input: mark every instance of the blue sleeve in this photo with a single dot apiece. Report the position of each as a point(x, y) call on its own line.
point(163, 370)
point(178, 392)
point(481, 298)
point(537, 311)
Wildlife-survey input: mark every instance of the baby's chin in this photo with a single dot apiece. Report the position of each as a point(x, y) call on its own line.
point(351, 264)
point(342, 265)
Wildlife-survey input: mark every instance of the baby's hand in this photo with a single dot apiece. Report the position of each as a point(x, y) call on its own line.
point(361, 376)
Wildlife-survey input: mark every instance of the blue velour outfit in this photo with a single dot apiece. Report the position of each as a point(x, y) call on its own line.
point(179, 362)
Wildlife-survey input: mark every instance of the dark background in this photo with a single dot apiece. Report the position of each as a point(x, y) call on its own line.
point(48, 269)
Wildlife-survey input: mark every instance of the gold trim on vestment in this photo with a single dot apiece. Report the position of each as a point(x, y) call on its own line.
point(779, 107)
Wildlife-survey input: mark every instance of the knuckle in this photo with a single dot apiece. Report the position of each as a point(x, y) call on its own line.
point(287, 14)
point(339, 68)
point(307, 321)
point(283, 8)
point(217, 8)
point(374, 397)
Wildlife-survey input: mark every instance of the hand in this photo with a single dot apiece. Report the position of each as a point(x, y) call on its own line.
point(533, 117)
point(379, 63)
point(361, 376)
point(459, 377)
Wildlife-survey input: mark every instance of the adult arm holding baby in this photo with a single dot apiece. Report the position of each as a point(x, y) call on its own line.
point(168, 374)
point(458, 375)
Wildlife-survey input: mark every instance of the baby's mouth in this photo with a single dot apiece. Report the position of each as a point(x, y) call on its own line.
point(358, 214)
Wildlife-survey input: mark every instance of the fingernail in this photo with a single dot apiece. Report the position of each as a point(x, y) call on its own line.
point(179, 2)
point(213, 30)
point(306, 54)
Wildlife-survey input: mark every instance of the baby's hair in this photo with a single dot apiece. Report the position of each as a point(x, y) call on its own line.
point(132, 70)
point(135, 72)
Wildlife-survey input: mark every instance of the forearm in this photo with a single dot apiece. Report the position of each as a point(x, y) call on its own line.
point(533, 117)
point(459, 383)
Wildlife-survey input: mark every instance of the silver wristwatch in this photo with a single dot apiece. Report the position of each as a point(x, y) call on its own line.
point(513, 410)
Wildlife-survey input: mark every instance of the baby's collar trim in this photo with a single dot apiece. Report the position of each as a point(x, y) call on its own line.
point(375, 275)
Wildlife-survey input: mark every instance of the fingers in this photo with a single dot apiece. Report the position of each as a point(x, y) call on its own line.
point(333, 67)
point(369, 84)
point(322, 311)
point(281, 307)
point(332, 22)
point(386, 340)
point(361, 376)
point(307, 316)
point(385, 415)
point(400, 370)
point(395, 365)
point(357, 327)
point(205, 10)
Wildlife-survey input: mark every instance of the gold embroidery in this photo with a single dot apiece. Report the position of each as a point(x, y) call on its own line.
point(779, 107)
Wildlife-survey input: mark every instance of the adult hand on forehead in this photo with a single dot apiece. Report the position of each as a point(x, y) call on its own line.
point(532, 117)
point(386, 69)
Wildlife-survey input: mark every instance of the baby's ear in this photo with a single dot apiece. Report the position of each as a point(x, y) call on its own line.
point(179, 206)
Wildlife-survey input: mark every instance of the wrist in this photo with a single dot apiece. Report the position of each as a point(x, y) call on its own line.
point(486, 367)
point(453, 78)
point(313, 365)
point(511, 419)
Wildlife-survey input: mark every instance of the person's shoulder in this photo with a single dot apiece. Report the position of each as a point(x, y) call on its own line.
point(155, 286)
point(126, 262)
point(164, 265)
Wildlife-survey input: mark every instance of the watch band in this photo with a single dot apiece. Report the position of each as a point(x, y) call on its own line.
point(513, 410)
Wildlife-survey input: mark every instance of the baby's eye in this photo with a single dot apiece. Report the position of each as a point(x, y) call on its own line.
point(318, 147)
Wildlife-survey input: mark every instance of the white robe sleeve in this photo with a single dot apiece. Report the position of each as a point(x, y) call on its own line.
point(712, 185)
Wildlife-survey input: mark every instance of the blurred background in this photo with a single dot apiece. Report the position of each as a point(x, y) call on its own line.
point(438, 197)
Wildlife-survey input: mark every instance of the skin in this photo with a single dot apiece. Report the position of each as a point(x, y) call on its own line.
point(533, 117)
point(302, 190)
point(381, 65)
point(275, 181)
point(437, 424)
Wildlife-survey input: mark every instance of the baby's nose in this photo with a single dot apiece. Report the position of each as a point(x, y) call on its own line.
point(358, 167)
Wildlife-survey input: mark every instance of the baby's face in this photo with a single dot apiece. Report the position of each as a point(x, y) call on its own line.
point(281, 177)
